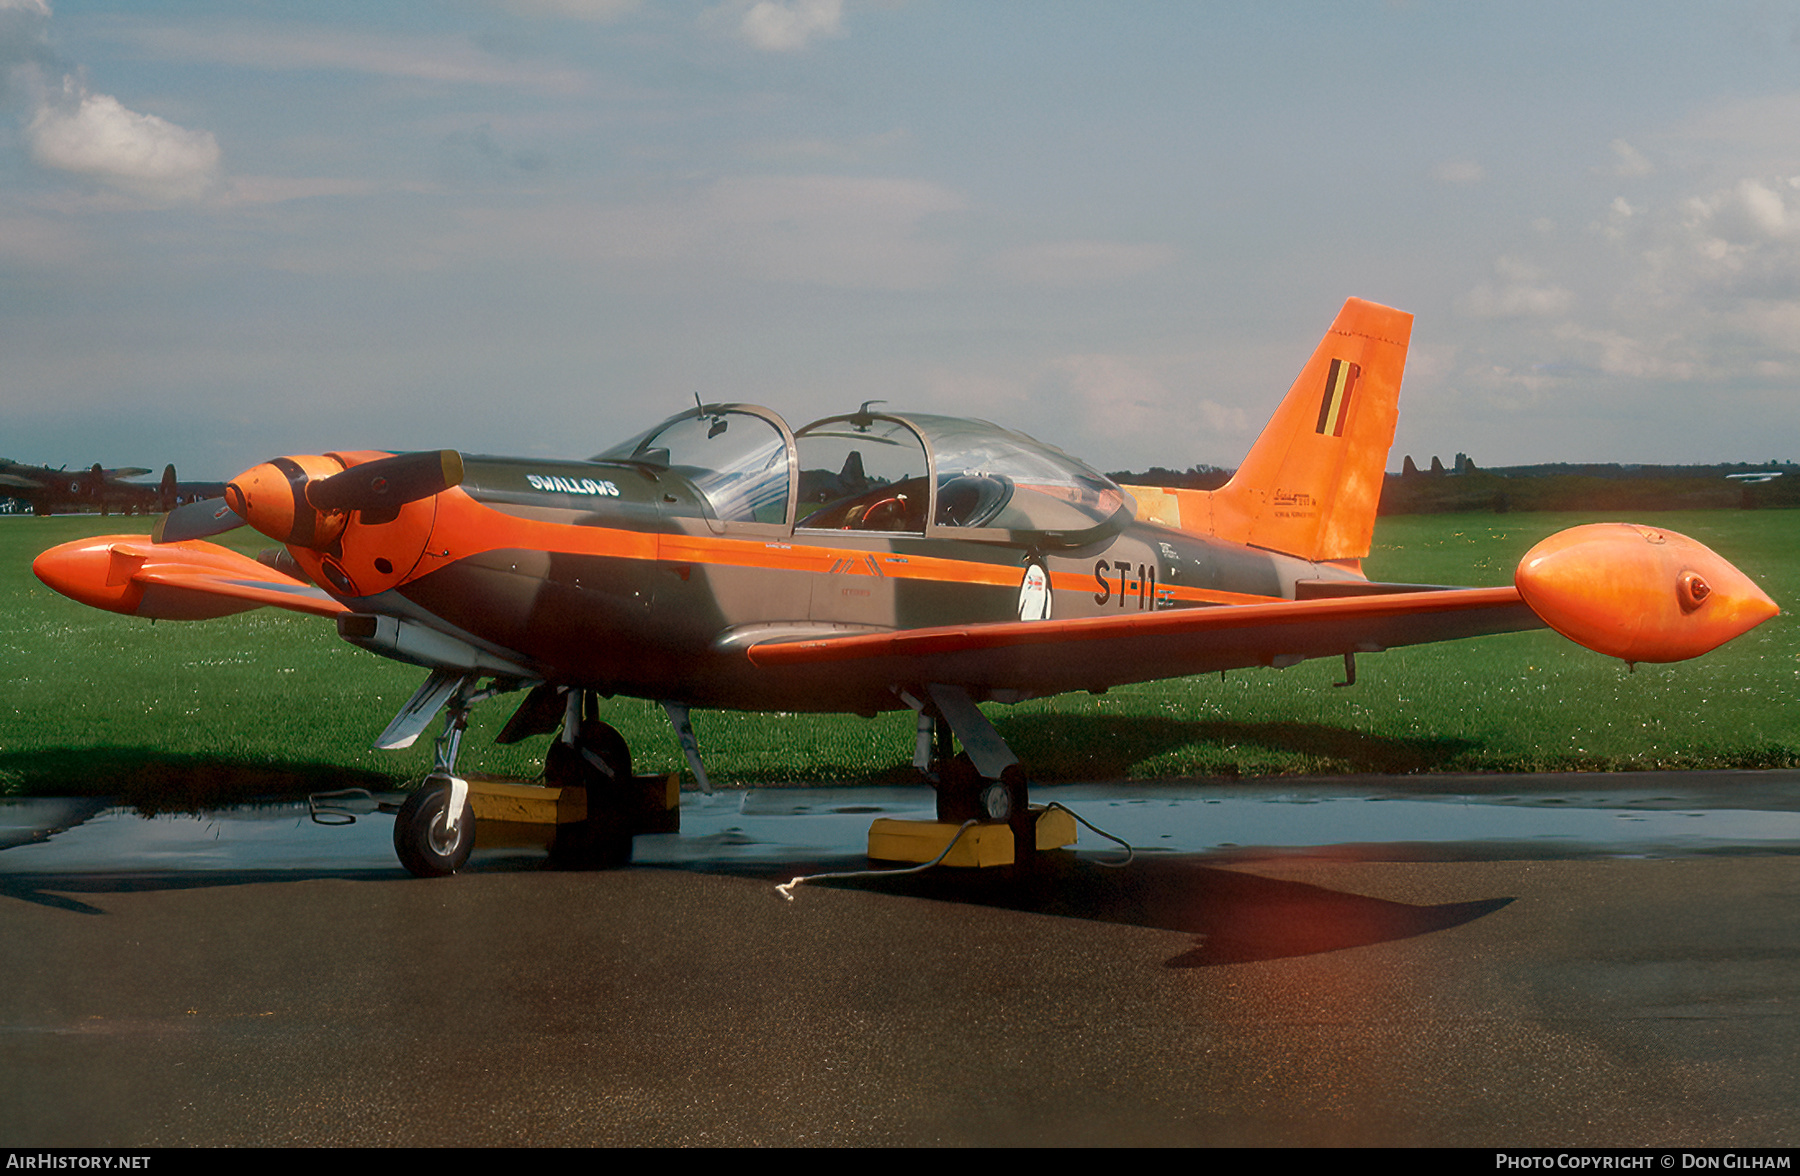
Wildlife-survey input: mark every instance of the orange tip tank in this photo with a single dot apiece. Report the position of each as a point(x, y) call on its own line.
point(1639, 593)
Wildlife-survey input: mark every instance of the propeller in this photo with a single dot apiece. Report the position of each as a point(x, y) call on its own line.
point(201, 519)
point(388, 483)
point(305, 501)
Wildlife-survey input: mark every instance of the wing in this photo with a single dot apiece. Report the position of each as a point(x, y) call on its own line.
point(1092, 653)
point(188, 581)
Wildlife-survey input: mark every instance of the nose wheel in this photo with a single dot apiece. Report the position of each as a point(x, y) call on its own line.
point(434, 831)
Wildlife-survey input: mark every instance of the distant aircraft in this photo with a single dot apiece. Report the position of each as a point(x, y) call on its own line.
point(49, 491)
point(870, 561)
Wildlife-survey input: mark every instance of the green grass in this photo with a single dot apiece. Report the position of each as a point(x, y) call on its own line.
point(176, 714)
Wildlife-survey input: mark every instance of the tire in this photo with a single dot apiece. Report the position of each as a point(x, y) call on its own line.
point(565, 765)
point(603, 840)
point(959, 788)
point(420, 840)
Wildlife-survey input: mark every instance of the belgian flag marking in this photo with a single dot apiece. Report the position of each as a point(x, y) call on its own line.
point(1335, 405)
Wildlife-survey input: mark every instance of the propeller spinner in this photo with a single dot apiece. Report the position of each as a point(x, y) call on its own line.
point(305, 501)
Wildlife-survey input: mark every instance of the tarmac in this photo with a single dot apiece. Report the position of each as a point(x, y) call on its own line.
point(1550, 961)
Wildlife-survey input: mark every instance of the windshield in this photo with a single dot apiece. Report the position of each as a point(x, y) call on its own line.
point(736, 460)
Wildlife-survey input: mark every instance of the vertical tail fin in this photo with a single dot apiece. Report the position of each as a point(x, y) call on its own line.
point(1312, 481)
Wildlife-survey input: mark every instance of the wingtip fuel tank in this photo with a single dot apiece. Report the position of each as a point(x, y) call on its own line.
point(1639, 593)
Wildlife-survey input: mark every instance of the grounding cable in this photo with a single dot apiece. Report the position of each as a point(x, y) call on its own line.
point(1130, 853)
point(786, 889)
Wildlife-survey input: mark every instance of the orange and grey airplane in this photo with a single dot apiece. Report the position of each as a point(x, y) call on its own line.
point(867, 562)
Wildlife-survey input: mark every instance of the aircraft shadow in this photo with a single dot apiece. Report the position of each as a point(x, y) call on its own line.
point(1235, 917)
point(57, 891)
point(1109, 747)
point(156, 782)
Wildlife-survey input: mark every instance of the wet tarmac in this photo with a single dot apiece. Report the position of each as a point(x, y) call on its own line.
point(1604, 960)
point(1561, 815)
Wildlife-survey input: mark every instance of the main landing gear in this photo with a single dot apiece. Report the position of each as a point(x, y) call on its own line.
point(592, 756)
point(984, 782)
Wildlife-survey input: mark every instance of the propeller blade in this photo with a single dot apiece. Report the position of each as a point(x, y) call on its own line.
point(196, 520)
point(387, 483)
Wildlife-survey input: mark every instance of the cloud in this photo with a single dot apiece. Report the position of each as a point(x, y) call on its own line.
point(786, 26)
point(598, 11)
point(72, 129)
point(41, 242)
point(435, 59)
point(24, 41)
point(840, 232)
point(1111, 396)
point(1081, 263)
point(1685, 294)
point(478, 146)
point(1628, 162)
point(849, 149)
point(24, 27)
point(1459, 171)
point(828, 230)
point(1756, 136)
point(1521, 291)
point(249, 190)
point(1752, 210)
point(94, 135)
point(1622, 353)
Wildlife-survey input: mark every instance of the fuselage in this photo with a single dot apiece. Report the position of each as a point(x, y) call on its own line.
point(648, 573)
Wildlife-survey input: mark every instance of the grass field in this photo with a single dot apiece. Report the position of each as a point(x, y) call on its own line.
point(176, 715)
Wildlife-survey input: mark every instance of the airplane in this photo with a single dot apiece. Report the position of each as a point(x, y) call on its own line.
point(47, 491)
point(870, 561)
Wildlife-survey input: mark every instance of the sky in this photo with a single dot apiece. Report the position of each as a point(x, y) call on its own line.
point(235, 230)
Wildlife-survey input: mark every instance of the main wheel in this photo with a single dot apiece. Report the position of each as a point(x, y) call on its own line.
point(427, 847)
point(599, 752)
point(959, 791)
point(599, 762)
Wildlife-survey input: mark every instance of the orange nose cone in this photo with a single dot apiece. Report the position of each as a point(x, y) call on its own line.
point(1639, 593)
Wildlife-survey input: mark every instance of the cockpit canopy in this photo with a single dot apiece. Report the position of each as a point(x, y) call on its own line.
point(918, 474)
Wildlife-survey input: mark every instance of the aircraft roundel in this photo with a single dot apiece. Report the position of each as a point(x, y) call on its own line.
point(1034, 593)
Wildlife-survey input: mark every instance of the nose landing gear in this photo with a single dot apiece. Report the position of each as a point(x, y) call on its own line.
point(589, 796)
point(434, 832)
